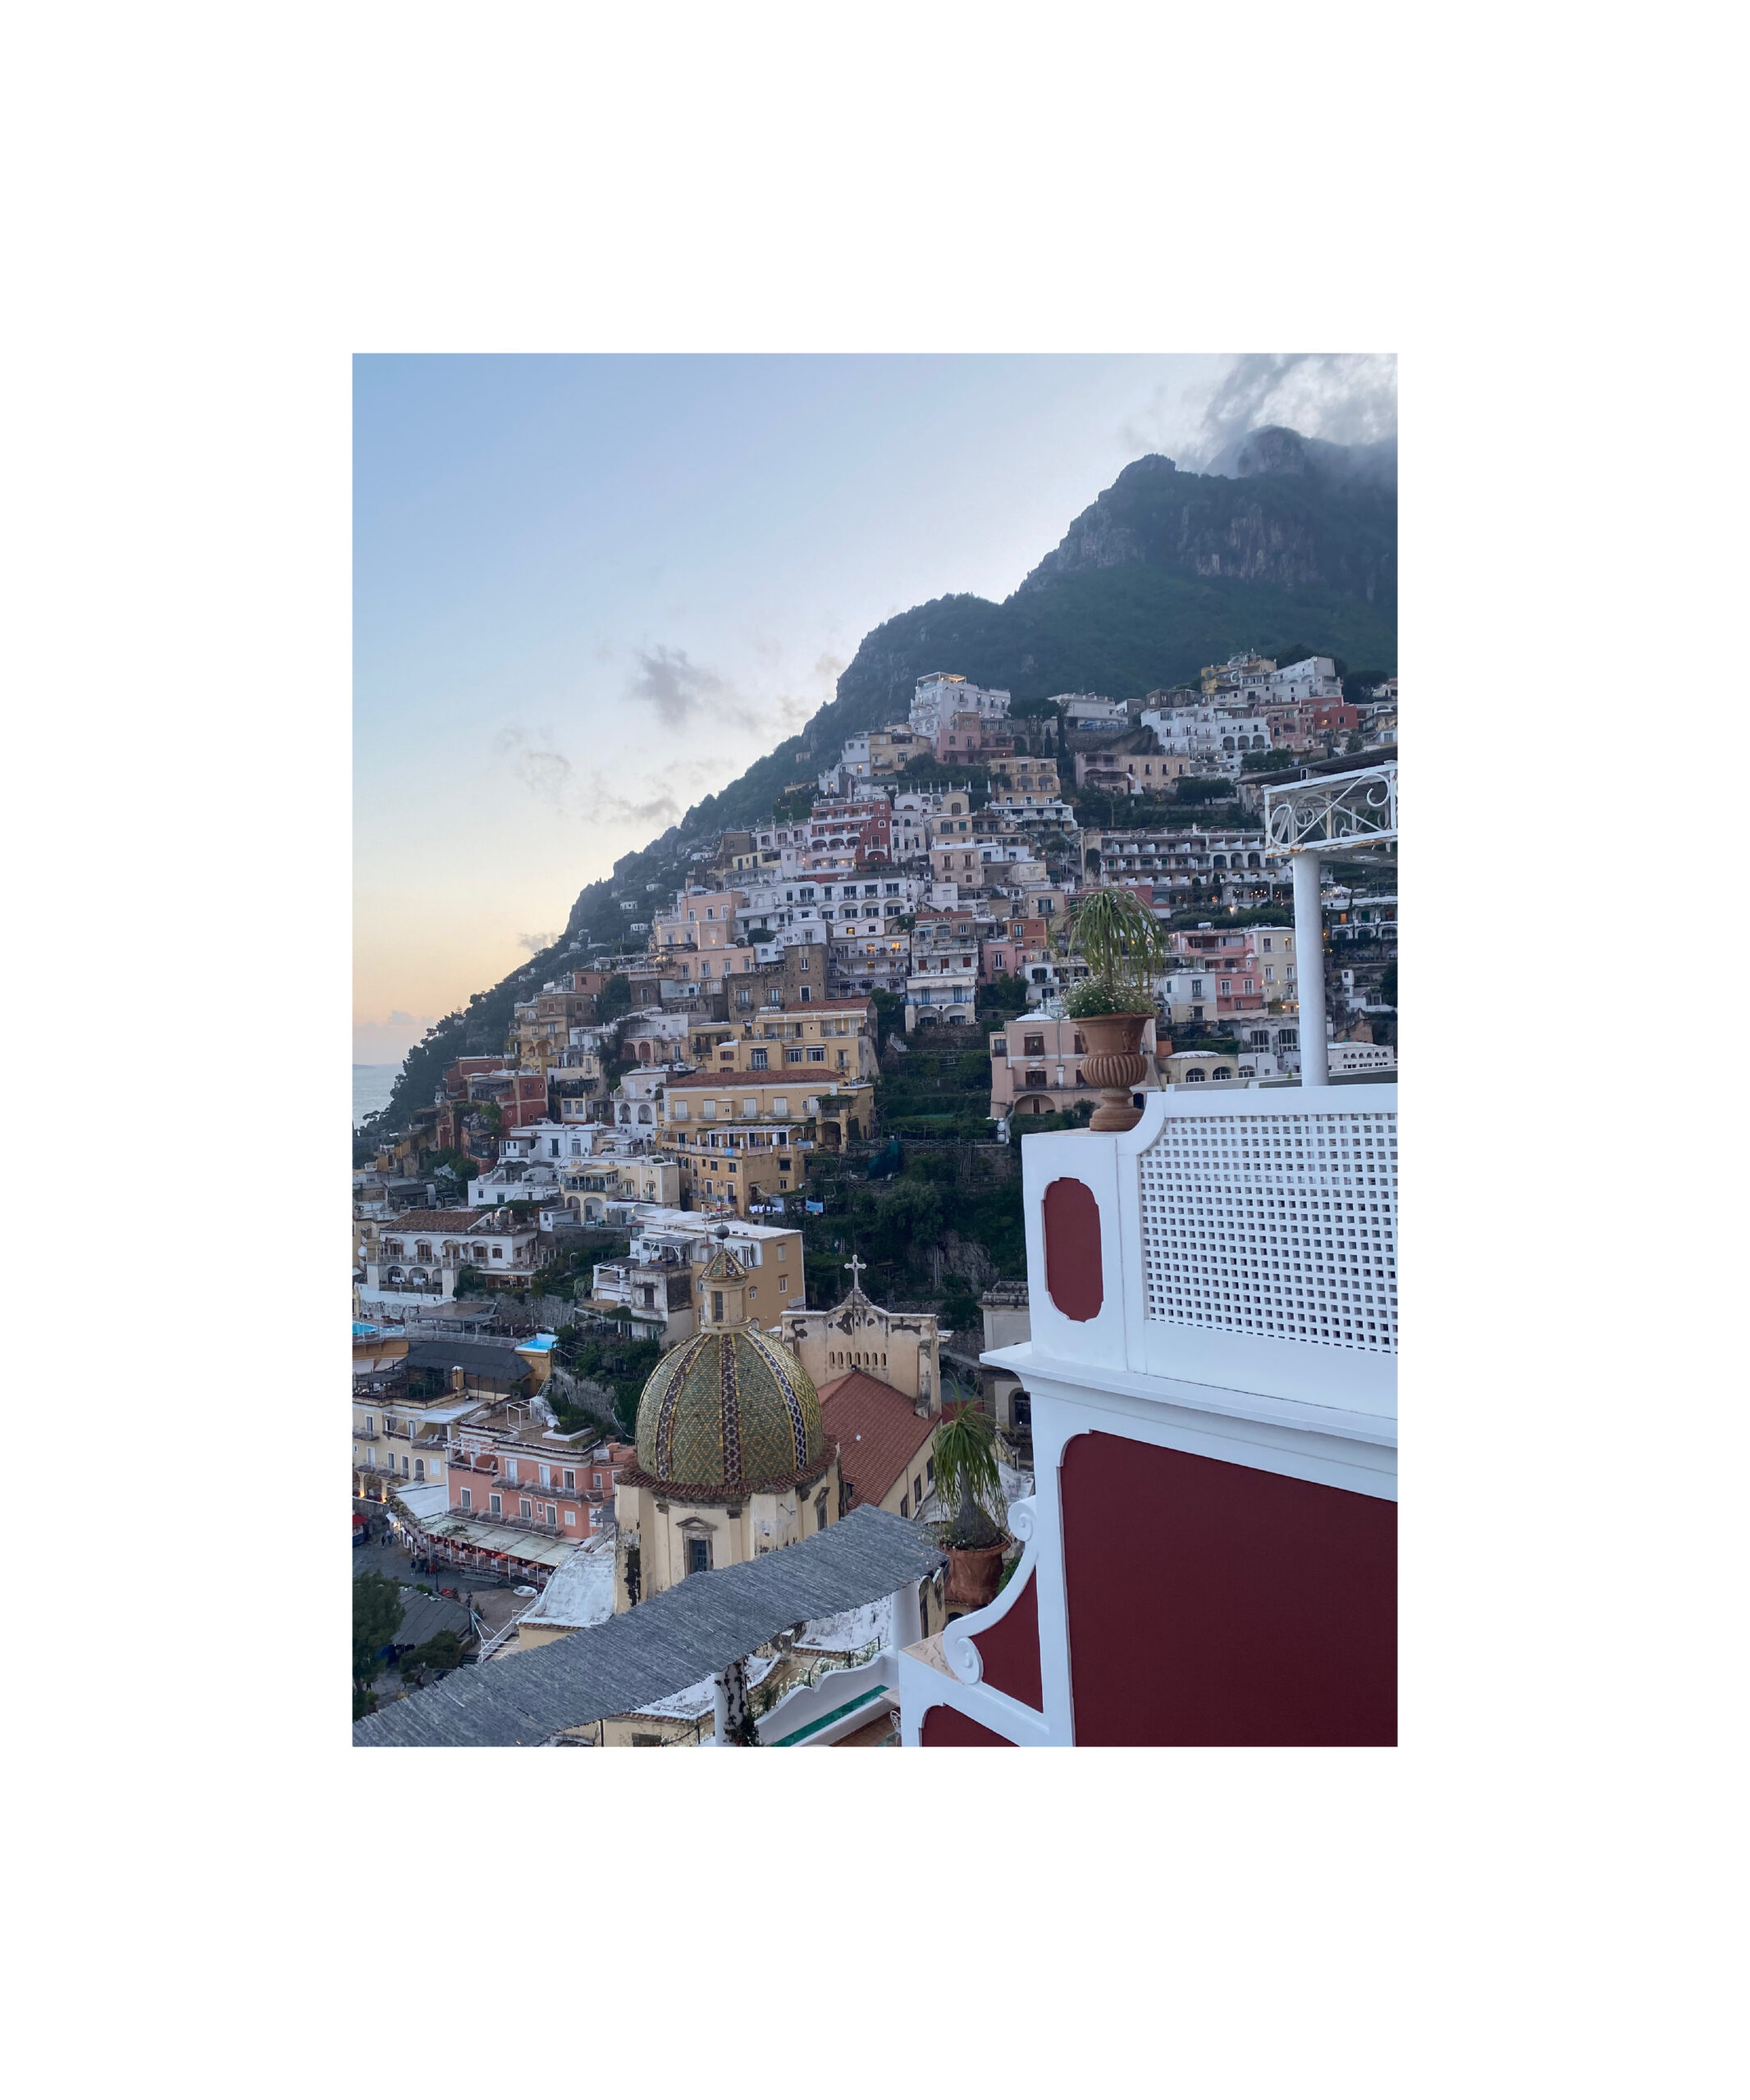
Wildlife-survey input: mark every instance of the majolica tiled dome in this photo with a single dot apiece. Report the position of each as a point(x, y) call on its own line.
point(732, 1409)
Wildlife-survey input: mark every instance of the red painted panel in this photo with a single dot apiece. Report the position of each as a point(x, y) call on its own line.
point(1010, 1650)
point(946, 1728)
point(1072, 1248)
point(1214, 1604)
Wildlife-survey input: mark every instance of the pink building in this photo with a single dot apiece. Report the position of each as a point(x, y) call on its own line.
point(504, 1467)
point(1035, 1069)
point(968, 734)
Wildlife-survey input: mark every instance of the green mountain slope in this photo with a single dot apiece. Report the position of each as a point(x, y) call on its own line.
point(1163, 572)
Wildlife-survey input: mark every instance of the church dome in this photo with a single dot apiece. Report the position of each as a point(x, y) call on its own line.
point(730, 1412)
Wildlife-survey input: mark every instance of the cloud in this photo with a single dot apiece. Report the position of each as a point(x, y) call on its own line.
point(684, 694)
point(549, 776)
point(678, 689)
point(388, 1042)
point(1345, 397)
point(546, 773)
point(536, 944)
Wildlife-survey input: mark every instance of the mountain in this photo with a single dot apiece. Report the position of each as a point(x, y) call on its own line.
point(1291, 538)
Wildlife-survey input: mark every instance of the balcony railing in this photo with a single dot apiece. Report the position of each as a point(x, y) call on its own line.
point(514, 1523)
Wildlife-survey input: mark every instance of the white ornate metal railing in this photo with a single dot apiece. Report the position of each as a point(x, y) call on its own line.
point(1335, 809)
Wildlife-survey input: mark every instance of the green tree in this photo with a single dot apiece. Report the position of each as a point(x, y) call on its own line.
point(1270, 761)
point(967, 1474)
point(443, 1651)
point(615, 998)
point(376, 1618)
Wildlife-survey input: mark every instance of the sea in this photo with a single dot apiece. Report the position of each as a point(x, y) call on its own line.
point(373, 1084)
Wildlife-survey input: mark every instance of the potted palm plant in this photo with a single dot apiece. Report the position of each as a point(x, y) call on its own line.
point(1126, 948)
point(970, 1482)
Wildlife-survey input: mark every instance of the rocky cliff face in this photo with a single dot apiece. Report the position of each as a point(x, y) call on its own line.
point(1294, 514)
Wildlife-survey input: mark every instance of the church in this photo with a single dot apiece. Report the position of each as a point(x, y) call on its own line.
point(749, 1441)
point(902, 1350)
point(733, 1459)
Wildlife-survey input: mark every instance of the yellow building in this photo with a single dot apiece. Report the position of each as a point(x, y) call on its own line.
point(891, 751)
point(743, 1137)
point(589, 1185)
point(1026, 776)
point(733, 1459)
point(829, 1039)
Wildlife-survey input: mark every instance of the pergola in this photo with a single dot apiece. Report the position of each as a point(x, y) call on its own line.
point(1351, 816)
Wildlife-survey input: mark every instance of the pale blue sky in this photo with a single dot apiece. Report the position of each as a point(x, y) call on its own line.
point(533, 534)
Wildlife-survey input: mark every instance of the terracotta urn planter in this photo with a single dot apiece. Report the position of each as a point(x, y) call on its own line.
point(1115, 1064)
point(975, 1574)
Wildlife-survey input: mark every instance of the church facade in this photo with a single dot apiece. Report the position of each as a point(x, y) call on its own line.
point(902, 1350)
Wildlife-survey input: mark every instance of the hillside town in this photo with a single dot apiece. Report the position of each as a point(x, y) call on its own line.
point(716, 1252)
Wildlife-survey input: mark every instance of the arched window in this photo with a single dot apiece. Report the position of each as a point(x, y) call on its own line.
point(1193, 1077)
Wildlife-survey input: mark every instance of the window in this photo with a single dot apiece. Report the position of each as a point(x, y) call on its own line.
point(698, 1556)
point(370, 1456)
point(929, 1471)
point(571, 1517)
point(370, 1426)
point(419, 1469)
point(404, 1465)
point(467, 1498)
point(917, 1490)
point(495, 1504)
point(571, 1480)
point(905, 1505)
point(525, 1508)
point(553, 1516)
point(758, 1060)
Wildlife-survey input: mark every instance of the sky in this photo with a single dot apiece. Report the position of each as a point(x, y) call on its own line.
point(589, 591)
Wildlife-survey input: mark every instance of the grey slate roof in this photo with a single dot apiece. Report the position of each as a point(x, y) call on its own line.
point(423, 1617)
point(669, 1642)
point(483, 1360)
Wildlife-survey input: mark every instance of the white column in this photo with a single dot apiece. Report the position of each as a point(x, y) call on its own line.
point(1309, 970)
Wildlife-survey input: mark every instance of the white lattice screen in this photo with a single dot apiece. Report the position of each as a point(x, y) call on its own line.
point(1275, 1225)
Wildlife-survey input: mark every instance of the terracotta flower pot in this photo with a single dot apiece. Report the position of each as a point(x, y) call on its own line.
point(1115, 1064)
point(975, 1574)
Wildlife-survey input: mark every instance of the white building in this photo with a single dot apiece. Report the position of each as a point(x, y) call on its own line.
point(635, 1098)
point(1208, 731)
point(1347, 1057)
point(940, 694)
point(1092, 710)
point(1034, 810)
point(1314, 678)
point(944, 993)
point(834, 907)
point(418, 1258)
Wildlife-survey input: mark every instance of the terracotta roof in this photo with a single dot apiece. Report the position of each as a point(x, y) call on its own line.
point(434, 1220)
point(857, 1406)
